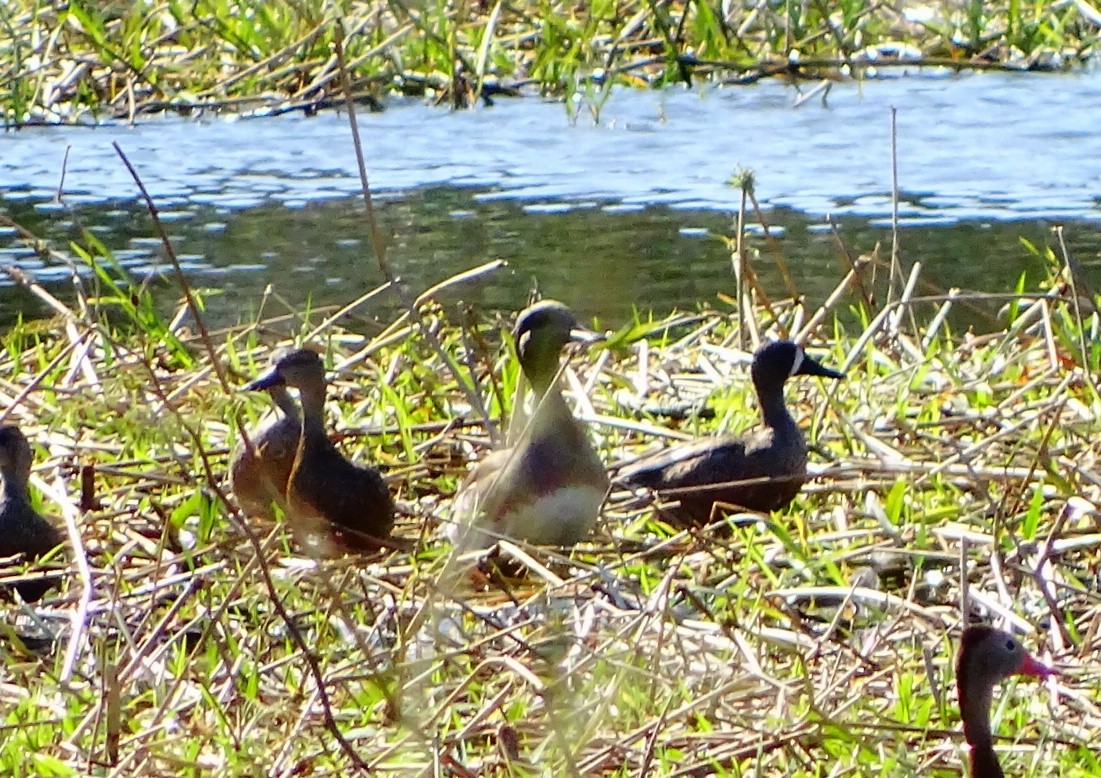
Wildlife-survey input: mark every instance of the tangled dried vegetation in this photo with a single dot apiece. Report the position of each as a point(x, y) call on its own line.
point(815, 641)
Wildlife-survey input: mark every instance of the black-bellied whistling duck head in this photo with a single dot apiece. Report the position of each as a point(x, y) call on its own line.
point(986, 657)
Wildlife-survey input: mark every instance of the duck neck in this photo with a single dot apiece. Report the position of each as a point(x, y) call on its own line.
point(13, 482)
point(540, 366)
point(313, 411)
point(773, 409)
point(984, 762)
point(543, 384)
point(283, 401)
point(543, 375)
point(548, 406)
point(975, 711)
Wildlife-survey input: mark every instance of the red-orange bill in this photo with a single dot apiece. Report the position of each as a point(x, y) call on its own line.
point(1031, 667)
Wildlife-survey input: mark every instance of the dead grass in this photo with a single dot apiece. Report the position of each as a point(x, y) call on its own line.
point(813, 642)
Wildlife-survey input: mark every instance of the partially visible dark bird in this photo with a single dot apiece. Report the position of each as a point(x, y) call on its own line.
point(761, 472)
point(333, 505)
point(986, 657)
point(23, 532)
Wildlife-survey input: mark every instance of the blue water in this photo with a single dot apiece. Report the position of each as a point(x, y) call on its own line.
point(975, 152)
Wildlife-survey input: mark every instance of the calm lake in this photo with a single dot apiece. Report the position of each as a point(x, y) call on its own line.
point(622, 208)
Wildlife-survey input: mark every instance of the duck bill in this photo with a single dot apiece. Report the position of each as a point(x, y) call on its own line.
point(586, 336)
point(811, 366)
point(266, 381)
point(1031, 667)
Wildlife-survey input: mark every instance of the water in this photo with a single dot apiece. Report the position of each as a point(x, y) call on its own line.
point(626, 211)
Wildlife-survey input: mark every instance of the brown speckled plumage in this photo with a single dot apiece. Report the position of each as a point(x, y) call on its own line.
point(548, 488)
point(259, 477)
point(332, 504)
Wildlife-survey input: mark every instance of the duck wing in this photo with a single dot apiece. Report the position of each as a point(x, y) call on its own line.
point(703, 462)
point(350, 495)
point(24, 531)
point(260, 477)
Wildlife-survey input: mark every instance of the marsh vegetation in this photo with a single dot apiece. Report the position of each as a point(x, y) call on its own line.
point(85, 59)
point(187, 640)
point(954, 471)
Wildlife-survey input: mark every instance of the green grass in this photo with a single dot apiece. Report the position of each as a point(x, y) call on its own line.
point(68, 62)
point(647, 650)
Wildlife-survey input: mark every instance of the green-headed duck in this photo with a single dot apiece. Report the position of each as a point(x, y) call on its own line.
point(548, 488)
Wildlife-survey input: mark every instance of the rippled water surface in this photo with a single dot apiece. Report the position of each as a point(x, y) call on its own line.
point(605, 214)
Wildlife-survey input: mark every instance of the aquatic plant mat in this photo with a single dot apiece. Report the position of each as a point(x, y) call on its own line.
point(83, 60)
point(816, 641)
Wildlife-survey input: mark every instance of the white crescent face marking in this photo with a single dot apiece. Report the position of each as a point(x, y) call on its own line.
point(797, 362)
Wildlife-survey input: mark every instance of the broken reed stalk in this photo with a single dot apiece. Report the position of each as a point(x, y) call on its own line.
point(896, 260)
point(410, 304)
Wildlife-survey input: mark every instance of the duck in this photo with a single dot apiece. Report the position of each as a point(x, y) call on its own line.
point(259, 476)
point(986, 657)
point(548, 488)
point(333, 505)
point(762, 472)
point(23, 531)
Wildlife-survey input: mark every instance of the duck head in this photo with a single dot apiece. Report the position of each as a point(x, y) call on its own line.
point(774, 363)
point(300, 368)
point(15, 453)
point(986, 657)
point(541, 332)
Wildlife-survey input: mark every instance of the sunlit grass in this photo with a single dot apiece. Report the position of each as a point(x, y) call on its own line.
point(773, 646)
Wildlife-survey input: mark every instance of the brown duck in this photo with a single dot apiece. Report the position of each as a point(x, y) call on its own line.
point(259, 477)
point(549, 487)
point(762, 472)
point(986, 657)
point(332, 504)
point(22, 530)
